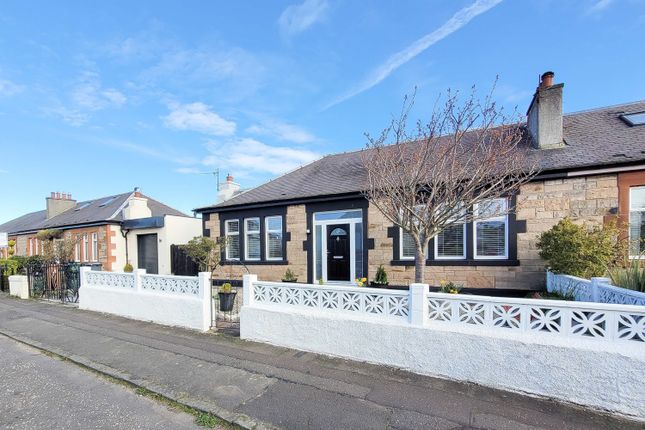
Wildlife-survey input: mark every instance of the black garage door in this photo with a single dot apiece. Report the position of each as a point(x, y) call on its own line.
point(147, 253)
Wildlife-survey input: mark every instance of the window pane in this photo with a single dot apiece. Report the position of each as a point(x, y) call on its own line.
point(233, 247)
point(252, 224)
point(450, 243)
point(636, 233)
point(274, 244)
point(253, 246)
point(491, 239)
point(359, 249)
point(318, 252)
point(408, 246)
point(338, 215)
point(232, 226)
point(274, 223)
point(637, 198)
point(492, 208)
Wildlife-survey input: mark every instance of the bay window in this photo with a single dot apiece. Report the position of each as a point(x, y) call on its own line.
point(273, 237)
point(636, 221)
point(232, 233)
point(491, 230)
point(252, 239)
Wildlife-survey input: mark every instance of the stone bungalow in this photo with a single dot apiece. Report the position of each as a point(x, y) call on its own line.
point(315, 221)
point(109, 230)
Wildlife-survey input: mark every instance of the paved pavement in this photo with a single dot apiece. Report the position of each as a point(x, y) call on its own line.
point(259, 385)
point(40, 392)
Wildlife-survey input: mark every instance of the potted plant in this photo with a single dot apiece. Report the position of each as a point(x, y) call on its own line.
point(449, 287)
point(380, 279)
point(289, 276)
point(128, 268)
point(226, 297)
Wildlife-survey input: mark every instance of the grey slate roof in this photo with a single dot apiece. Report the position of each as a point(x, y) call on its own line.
point(92, 213)
point(597, 137)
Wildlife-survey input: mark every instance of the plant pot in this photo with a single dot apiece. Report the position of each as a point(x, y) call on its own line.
point(379, 284)
point(226, 301)
point(292, 280)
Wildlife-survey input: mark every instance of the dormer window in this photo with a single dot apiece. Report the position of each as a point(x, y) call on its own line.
point(633, 119)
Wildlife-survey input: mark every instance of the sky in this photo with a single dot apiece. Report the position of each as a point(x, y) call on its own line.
point(97, 98)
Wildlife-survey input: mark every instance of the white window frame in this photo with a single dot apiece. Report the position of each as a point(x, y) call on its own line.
point(629, 230)
point(503, 218)
point(452, 257)
point(77, 251)
point(266, 237)
point(246, 238)
point(352, 243)
point(85, 247)
point(401, 256)
point(31, 246)
point(95, 247)
point(227, 234)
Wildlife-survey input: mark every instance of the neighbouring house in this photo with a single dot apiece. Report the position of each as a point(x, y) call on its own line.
point(316, 221)
point(112, 230)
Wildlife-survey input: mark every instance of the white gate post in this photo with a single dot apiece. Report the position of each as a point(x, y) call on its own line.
point(84, 270)
point(418, 307)
point(207, 300)
point(137, 279)
point(247, 289)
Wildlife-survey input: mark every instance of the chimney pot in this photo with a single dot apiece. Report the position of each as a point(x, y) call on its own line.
point(69, 196)
point(53, 195)
point(229, 178)
point(547, 79)
point(57, 195)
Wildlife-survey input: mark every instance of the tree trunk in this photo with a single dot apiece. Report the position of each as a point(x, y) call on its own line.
point(419, 264)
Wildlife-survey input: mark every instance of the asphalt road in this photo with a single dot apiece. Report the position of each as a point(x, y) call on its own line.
point(41, 392)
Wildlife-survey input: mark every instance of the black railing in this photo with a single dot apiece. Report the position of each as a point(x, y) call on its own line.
point(54, 281)
point(4, 277)
point(226, 308)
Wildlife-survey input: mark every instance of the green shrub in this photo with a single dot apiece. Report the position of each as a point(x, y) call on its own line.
point(9, 266)
point(381, 276)
point(581, 250)
point(630, 276)
point(226, 288)
point(289, 276)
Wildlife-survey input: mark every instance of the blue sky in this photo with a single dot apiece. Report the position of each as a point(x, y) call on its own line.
point(99, 97)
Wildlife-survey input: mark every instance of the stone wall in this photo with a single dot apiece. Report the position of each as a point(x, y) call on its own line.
point(296, 225)
point(541, 204)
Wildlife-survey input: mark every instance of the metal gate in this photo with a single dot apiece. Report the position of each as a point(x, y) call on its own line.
point(54, 281)
point(226, 309)
point(4, 277)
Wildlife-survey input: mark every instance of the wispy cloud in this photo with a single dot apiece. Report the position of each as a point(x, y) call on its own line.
point(189, 170)
point(458, 20)
point(198, 117)
point(248, 154)
point(599, 6)
point(8, 88)
point(282, 131)
point(2, 171)
point(158, 151)
point(299, 17)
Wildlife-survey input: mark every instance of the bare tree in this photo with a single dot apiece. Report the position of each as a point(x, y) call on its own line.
point(430, 178)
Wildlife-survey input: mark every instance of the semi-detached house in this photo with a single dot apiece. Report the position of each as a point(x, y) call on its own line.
point(110, 230)
point(316, 222)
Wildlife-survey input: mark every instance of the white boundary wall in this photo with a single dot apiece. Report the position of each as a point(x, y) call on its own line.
point(181, 301)
point(597, 290)
point(589, 354)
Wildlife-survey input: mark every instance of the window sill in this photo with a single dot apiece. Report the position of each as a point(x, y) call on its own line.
point(255, 263)
point(500, 263)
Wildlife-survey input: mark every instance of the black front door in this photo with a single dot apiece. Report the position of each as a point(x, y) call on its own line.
point(147, 253)
point(338, 258)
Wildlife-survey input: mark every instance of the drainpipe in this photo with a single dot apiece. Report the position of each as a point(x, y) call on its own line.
point(124, 233)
